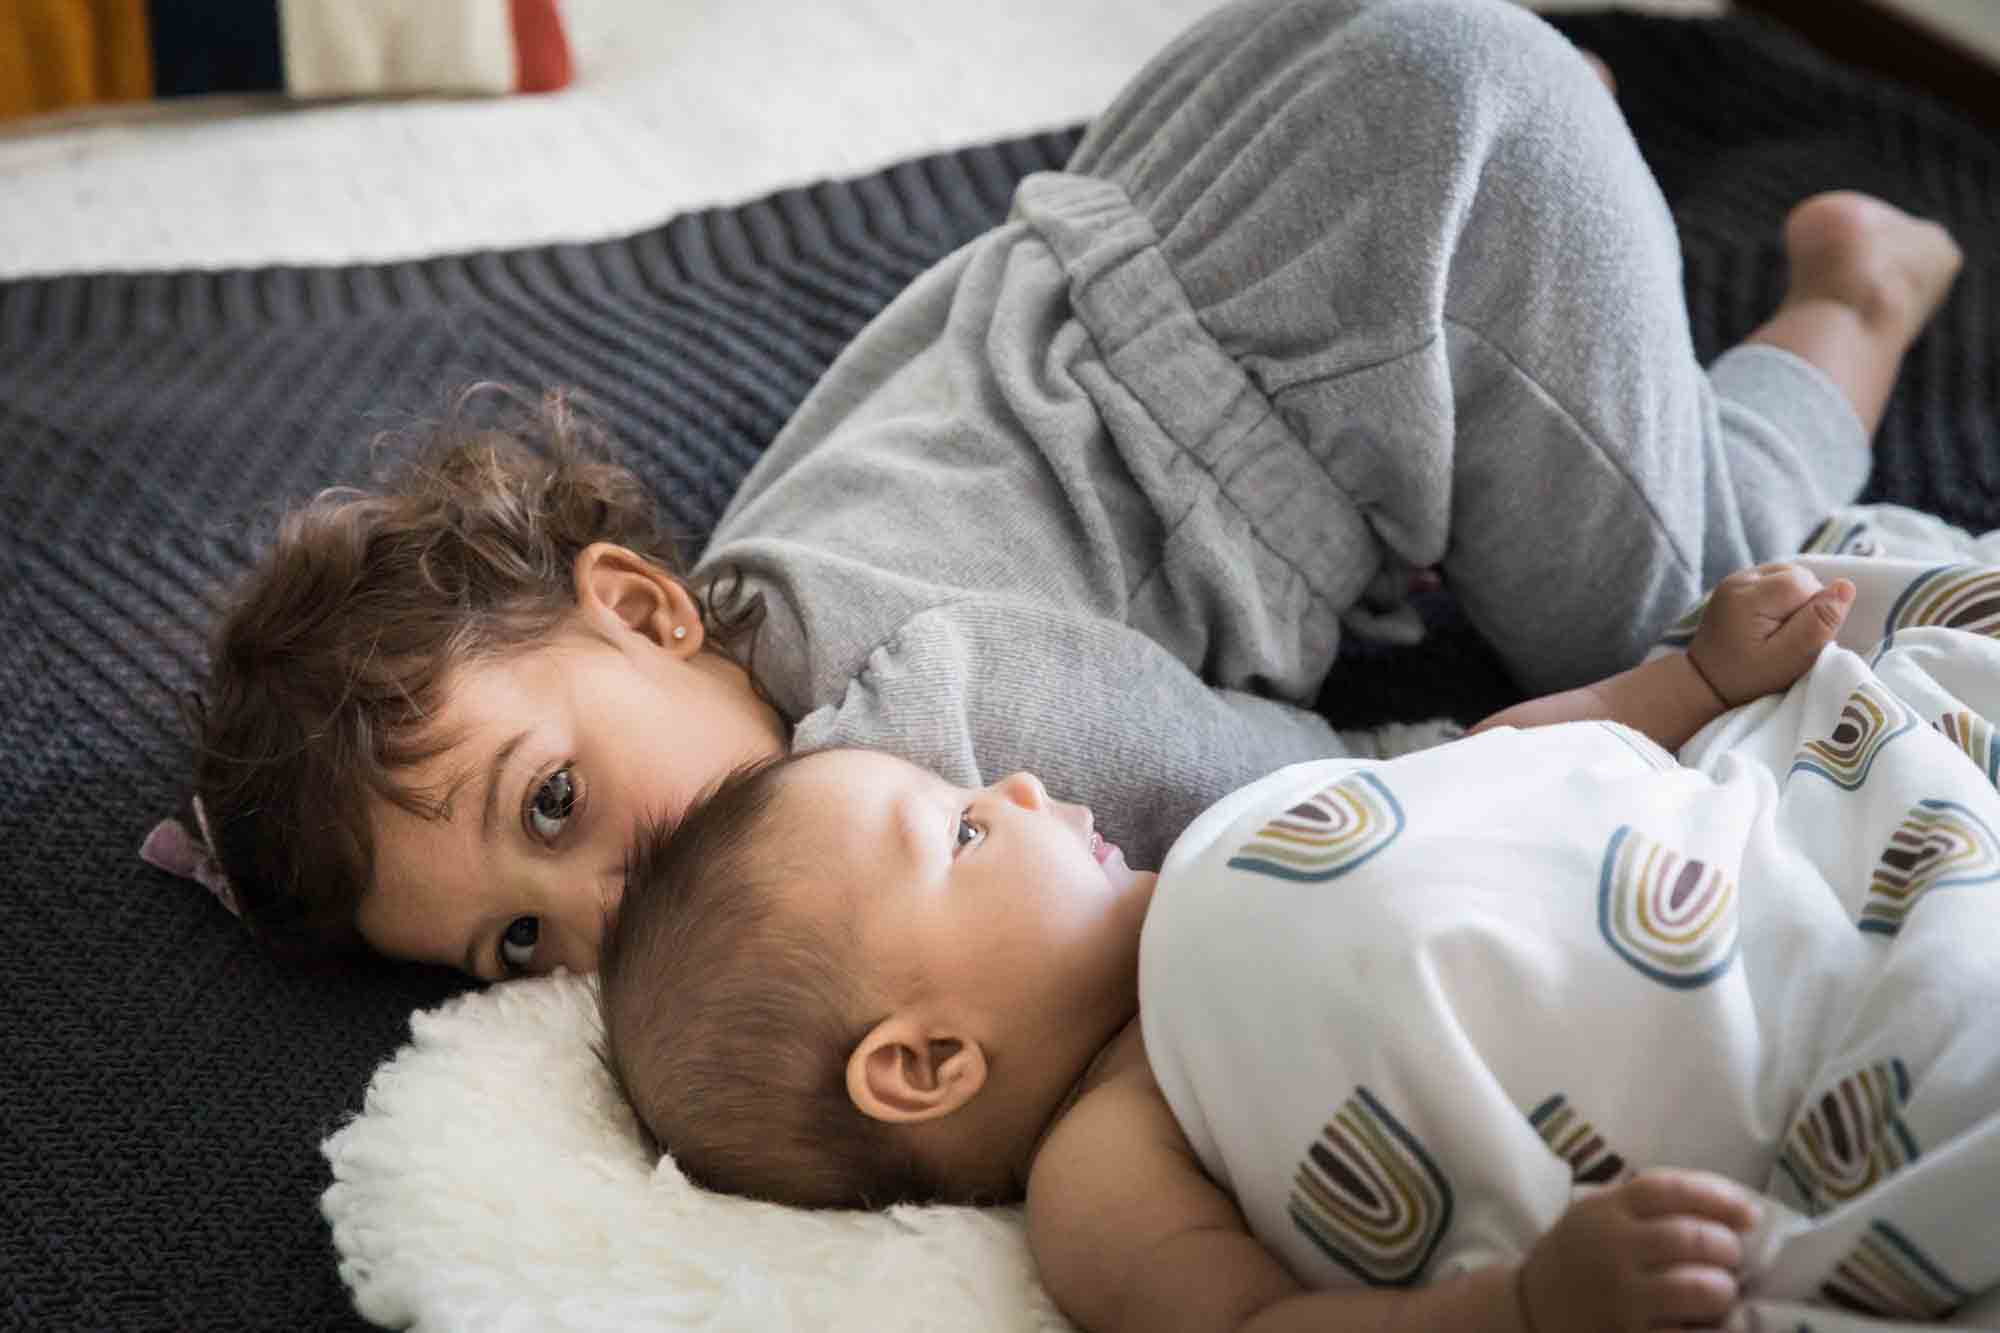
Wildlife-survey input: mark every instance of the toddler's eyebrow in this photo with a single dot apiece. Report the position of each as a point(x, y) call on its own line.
point(500, 758)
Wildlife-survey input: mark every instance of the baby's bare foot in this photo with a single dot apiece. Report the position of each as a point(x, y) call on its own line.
point(1891, 269)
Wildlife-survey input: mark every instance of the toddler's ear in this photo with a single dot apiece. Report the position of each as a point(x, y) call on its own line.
point(616, 586)
point(902, 1073)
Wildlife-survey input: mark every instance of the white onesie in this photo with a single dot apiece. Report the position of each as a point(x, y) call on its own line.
point(1404, 1009)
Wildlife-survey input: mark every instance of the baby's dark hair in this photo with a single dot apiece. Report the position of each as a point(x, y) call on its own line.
point(728, 1027)
point(331, 662)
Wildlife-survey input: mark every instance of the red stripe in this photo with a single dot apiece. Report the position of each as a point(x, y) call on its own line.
point(541, 52)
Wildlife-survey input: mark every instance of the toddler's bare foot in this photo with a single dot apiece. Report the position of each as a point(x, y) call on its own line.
point(1865, 278)
point(1600, 69)
point(1891, 269)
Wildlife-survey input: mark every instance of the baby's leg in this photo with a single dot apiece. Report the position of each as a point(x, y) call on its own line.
point(1865, 278)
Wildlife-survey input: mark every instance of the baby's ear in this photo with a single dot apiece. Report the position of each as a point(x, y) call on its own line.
point(616, 586)
point(903, 1072)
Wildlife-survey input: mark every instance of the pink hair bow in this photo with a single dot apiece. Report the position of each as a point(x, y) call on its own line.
point(176, 850)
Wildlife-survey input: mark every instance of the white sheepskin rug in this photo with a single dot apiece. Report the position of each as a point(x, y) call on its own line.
point(495, 1180)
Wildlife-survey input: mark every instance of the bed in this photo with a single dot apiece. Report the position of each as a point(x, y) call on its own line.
point(184, 347)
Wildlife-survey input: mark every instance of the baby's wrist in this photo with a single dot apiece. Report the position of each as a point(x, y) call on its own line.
point(1707, 680)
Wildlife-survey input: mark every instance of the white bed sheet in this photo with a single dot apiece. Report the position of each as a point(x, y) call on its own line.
point(677, 104)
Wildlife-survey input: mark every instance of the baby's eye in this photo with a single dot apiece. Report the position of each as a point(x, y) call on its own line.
point(517, 944)
point(552, 804)
point(968, 833)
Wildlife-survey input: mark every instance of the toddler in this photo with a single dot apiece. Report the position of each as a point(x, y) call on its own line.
point(1332, 292)
point(1378, 1021)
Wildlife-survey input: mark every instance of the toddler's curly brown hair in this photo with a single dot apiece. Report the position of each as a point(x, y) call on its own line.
point(335, 654)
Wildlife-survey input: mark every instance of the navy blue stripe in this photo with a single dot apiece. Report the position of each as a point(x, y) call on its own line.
point(215, 46)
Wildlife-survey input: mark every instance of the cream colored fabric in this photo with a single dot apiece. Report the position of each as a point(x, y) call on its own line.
point(361, 48)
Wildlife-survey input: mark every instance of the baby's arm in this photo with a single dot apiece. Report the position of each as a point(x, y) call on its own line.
point(1763, 629)
point(1130, 1234)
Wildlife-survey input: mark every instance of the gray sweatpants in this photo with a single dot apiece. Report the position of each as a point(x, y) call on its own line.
point(1331, 291)
point(1423, 232)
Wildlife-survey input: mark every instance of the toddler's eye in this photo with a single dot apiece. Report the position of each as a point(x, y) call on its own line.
point(552, 804)
point(517, 944)
point(968, 833)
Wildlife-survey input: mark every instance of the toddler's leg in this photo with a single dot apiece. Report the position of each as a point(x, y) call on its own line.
point(1865, 278)
point(1424, 231)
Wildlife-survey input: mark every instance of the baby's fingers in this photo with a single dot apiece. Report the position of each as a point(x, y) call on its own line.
point(1772, 591)
point(1812, 626)
point(1684, 1238)
point(1692, 1296)
point(1787, 579)
point(1664, 1193)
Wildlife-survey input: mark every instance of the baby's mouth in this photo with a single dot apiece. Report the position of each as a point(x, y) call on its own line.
point(1101, 851)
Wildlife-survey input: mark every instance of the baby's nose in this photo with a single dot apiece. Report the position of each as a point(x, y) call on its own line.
point(1024, 790)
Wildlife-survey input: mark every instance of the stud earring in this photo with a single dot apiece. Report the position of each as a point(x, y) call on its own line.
point(680, 631)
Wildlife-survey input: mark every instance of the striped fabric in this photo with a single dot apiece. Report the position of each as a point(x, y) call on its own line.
point(64, 53)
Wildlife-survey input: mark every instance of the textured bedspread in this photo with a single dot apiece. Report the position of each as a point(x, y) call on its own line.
point(166, 1086)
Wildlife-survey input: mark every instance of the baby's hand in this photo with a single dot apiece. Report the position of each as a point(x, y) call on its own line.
point(1764, 627)
point(1660, 1249)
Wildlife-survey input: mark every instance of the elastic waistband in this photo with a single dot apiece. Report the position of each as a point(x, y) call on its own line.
point(1126, 294)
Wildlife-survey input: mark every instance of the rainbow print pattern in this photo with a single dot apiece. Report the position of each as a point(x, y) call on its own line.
point(1939, 845)
point(1964, 597)
point(1369, 1196)
point(1838, 536)
point(1886, 1274)
point(1973, 734)
point(1851, 1138)
point(1327, 834)
point(1681, 633)
point(1870, 719)
point(1672, 918)
point(1571, 1137)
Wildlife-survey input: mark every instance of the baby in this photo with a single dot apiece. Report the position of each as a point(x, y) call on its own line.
point(842, 981)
